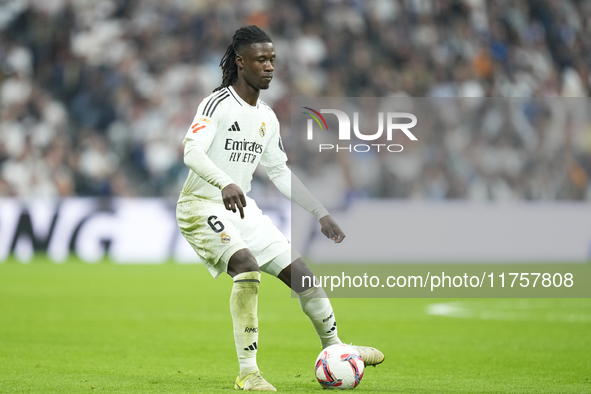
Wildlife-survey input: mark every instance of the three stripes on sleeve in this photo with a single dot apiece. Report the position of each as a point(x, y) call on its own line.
point(213, 102)
point(211, 106)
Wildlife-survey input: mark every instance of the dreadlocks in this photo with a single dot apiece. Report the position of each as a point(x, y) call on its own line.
point(242, 38)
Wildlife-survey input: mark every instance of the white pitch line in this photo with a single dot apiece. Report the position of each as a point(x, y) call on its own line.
point(515, 309)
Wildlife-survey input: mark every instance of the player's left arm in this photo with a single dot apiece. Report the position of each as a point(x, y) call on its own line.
point(291, 186)
point(274, 159)
point(331, 229)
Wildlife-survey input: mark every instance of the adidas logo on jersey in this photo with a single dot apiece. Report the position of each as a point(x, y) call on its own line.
point(251, 347)
point(234, 127)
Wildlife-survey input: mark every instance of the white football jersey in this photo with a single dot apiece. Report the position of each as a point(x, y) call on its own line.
point(236, 136)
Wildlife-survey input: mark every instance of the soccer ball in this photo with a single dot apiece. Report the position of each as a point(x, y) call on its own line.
point(339, 367)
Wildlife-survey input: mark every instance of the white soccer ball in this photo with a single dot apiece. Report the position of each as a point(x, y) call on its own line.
point(339, 367)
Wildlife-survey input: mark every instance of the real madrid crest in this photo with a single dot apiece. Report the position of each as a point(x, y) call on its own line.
point(225, 238)
point(262, 130)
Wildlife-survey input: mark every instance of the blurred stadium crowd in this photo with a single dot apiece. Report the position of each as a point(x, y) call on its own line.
point(96, 95)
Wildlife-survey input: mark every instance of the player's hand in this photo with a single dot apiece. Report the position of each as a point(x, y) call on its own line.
point(331, 229)
point(234, 198)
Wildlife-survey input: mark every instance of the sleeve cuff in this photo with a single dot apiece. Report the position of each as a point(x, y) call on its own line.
point(320, 212)
point(225, 182)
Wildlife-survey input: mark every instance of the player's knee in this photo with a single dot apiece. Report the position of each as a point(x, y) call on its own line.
point(295, 275)
point(242, 261)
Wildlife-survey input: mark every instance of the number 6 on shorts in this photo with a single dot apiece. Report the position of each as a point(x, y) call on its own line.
point(218, 226)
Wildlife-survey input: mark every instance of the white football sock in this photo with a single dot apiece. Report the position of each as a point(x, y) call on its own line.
point(243, 307)
point(316, 305)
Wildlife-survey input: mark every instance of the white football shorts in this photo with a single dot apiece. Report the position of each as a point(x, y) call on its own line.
point(216, 234)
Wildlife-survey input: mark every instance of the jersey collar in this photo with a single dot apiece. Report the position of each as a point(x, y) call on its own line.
point(239, 99)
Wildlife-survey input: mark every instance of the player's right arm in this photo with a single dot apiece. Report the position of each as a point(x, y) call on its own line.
point(197, 142)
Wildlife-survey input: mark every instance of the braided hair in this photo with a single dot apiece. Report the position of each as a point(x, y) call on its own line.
point(242, 38)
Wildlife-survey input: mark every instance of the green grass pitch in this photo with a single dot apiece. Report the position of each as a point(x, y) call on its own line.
point(86, 328)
